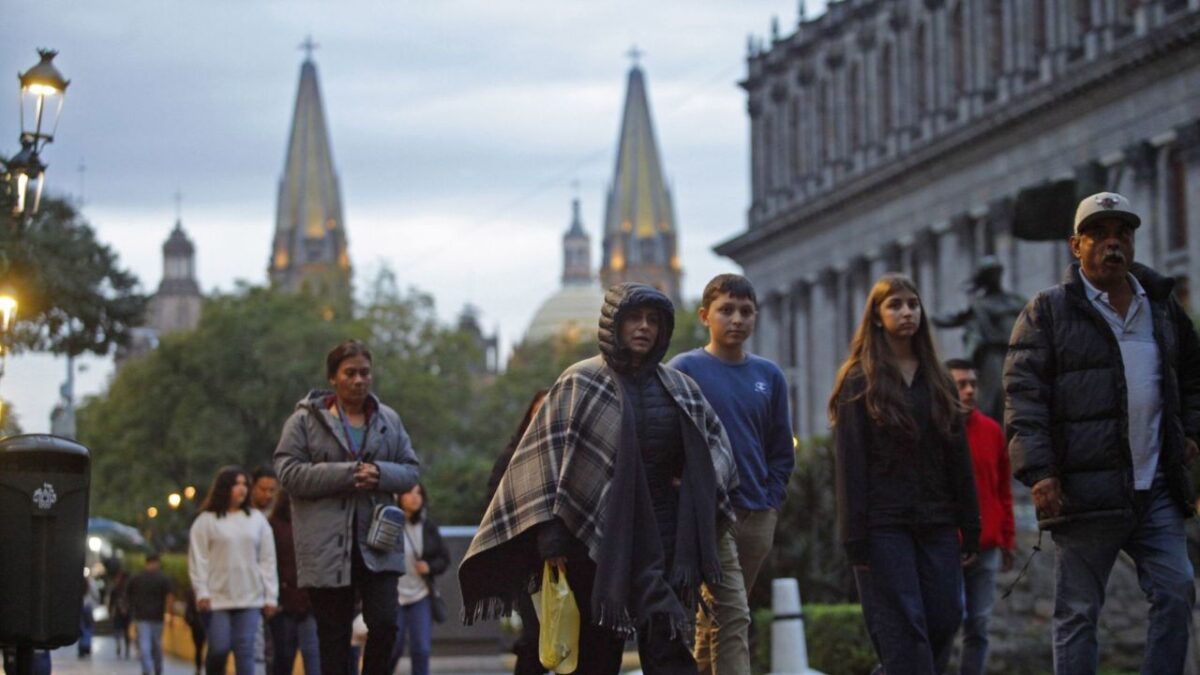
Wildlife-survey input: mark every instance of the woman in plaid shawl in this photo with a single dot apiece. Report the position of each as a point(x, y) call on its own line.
point(623, 479)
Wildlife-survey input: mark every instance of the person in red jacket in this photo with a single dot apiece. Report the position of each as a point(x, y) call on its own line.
point(993, 488)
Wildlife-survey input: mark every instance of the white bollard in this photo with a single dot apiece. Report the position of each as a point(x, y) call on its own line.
point(789, 652)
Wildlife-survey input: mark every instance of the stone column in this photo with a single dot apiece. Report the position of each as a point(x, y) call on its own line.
point(1000, 218)
point(801, 377)
point(1141, 163)
point(827, 353)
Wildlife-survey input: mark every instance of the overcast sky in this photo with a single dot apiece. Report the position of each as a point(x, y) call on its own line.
point(457, 127)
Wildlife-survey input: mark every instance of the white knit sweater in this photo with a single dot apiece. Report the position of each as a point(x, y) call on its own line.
point(231, 560)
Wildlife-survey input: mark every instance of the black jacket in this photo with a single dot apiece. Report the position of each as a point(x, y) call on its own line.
point(1066, 403)
point(883, 480)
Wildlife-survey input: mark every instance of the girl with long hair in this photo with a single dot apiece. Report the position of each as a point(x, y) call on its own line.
point(427, 558)
point(231, 562)
point(905, 490)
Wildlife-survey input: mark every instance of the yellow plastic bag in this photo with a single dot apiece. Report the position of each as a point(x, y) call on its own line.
point(558, 642)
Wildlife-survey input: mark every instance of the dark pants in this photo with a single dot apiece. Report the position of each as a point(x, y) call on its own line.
point(414, 629)
point(334, 609)
point(600, 649)
point(913, 599)
point(526, 646)
point(292, 632)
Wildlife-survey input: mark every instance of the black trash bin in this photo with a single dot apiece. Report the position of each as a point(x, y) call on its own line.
point(44, 486)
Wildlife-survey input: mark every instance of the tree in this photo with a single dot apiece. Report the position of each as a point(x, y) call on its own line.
point(74, 296)
point(216, 395)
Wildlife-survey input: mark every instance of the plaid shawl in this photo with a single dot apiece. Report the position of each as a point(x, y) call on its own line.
point(563, 467)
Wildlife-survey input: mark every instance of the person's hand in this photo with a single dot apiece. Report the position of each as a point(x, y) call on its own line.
point(366, 476)
point(1191, 451)
point(269, 610)
point(1047, 496)
point(558, 562)
point(968, 559)
point(204, 605)
point(422, 567)
point(1007, 560)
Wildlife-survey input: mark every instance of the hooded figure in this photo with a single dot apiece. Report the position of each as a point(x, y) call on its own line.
point(624, 474)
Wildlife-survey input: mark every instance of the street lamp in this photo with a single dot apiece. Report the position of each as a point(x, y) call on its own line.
point(43, 89)
point(174, 500)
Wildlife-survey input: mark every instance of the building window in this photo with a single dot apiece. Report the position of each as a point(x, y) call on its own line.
point(796, 144)
point(996, 45)
point(852, 101)
point(825, 114)
point(920, 75)
point(958, 38)
point(885, 87)
point(1038, 29)
point(1177, 206)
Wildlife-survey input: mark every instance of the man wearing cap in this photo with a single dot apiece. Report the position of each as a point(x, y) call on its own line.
point(1102, 385)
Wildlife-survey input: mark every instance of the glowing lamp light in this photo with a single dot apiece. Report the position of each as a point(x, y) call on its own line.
point(8, 312)
point(174, 500)
point(94, 544)
point(152, 512)
point(189, 492)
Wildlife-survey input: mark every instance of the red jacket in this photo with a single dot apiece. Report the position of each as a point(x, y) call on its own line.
point(993, 481)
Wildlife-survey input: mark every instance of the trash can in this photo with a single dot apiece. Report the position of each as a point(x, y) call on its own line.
point(44, 486)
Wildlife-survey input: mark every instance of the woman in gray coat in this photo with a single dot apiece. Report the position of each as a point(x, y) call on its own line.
point(341, 454)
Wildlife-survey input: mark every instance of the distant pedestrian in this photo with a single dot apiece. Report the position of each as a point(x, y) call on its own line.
point(993, 488)
point(525, 647)
point(294, 626)
point(1102, 414)
point(342, 453)
point(750, 395)
point(264, 485)
point(118, 611)
point(231, 562)
point(622, 481)
point(904, 485)
point(426, 559)
point(87, 616)
point(195, 623)
point(150, 598)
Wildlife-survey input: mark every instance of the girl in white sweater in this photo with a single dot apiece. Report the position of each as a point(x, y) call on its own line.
point(231, 562)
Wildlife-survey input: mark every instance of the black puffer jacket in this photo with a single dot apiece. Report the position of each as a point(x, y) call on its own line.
point(1066, 403)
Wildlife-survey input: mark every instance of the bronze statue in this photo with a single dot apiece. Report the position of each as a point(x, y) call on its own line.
point(987, 324)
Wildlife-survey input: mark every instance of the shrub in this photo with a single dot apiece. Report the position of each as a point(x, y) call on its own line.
point(836, 636)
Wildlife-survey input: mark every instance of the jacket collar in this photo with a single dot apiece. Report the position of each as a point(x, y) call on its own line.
point(1157, 286)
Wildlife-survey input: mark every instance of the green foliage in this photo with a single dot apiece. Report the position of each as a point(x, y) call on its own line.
point(9, 422)
point(174, 565)
point(73, 295)
point(836, 636)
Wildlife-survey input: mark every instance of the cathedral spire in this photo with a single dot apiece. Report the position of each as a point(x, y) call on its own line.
point(577, 251)
point(639, 221)
point(310, 249)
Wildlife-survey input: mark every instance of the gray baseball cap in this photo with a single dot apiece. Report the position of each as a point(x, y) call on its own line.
point(1105, 205)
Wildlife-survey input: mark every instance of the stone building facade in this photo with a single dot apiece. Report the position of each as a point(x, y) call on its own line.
point(912, 135)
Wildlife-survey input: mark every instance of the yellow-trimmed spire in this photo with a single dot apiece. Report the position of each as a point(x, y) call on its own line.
point(639, 224)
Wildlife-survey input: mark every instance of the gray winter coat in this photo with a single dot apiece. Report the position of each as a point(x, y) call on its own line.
point(315, 466)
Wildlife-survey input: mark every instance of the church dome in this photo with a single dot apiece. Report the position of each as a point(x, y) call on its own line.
point(573, 310)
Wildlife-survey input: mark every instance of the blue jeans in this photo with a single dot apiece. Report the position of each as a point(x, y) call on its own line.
point(231, 630)
point(1086, 552)
point(979, 594)
point(913, 599)
point(414, 623)
point(149, 637)
point(291, 631)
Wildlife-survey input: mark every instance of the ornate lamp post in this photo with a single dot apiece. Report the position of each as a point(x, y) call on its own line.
point(43, 90)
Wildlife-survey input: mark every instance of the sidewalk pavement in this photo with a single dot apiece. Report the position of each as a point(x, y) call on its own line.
point(104, 661)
